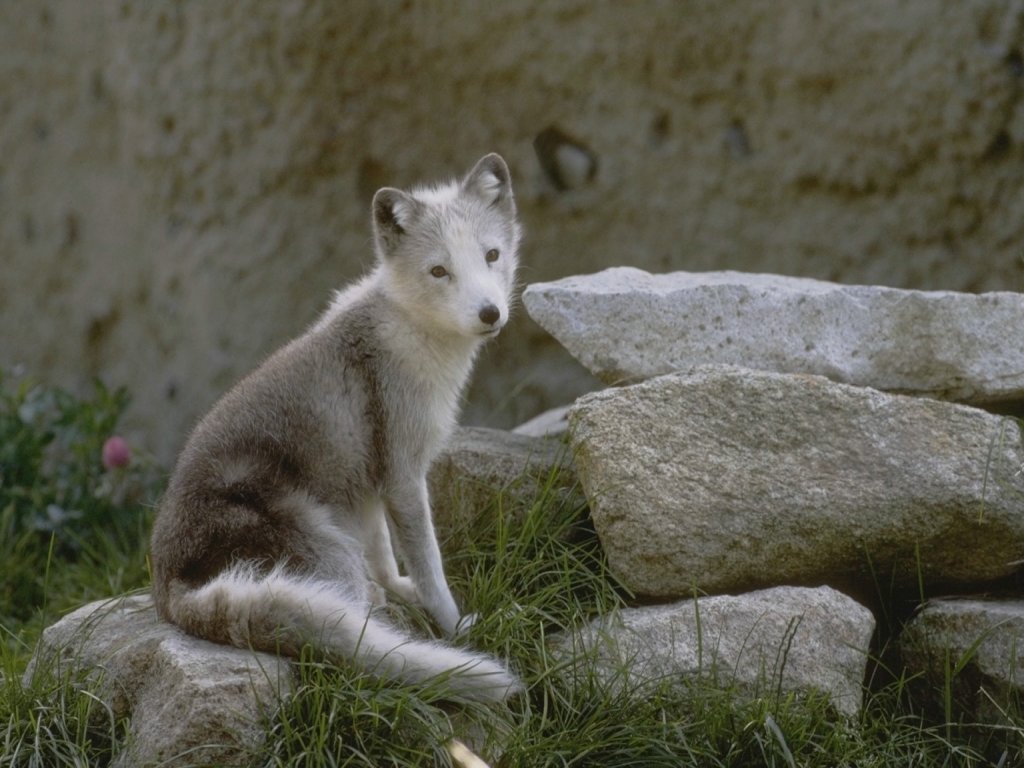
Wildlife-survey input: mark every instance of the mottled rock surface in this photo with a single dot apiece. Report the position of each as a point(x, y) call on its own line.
point(625, 325)
point(975, 646)
point(785, 638)
point(480, 463)
point(728, 479)
point(183, 184)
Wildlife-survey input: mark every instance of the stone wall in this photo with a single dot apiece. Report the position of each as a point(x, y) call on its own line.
point(182, 183)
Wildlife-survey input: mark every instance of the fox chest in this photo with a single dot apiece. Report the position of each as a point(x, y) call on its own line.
point(419, 430)
point(391, 431)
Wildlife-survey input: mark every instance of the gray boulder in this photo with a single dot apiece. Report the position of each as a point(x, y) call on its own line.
point(625, 324)
point(785, 638)
point(973, 649)
point(478, 463)
point(190, 702)
point(726, 479)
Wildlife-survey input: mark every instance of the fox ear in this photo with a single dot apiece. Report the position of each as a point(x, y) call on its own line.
point(490, 181)
point(394, 211)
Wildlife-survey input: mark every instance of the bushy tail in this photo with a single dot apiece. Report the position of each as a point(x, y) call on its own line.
point(280, 613)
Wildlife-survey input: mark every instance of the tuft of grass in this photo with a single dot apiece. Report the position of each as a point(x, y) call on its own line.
point(54, 720)
point(525, 581)
point(345, 717)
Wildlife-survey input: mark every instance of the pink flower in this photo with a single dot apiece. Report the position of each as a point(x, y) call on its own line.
point(116, 453)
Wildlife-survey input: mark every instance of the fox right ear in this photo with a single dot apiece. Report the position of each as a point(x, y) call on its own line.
point(490, 181)
point(394, 211)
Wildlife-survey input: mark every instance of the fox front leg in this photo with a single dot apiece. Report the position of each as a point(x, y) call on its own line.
point(380, 557)
point(409, 516)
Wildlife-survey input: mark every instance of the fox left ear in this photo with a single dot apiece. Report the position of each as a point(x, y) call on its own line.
point(393, 212)
point(491, 181)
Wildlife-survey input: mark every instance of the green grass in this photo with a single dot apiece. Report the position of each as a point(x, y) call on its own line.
point(529, 582)
point(56, 721)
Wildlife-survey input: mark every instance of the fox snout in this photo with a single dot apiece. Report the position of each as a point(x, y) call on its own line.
point(489, 314)
point(492, 318)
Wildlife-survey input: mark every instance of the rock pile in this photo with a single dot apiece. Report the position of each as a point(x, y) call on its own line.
point(767, 444)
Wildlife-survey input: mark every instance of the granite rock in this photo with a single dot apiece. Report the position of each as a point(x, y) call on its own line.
point(625, 325)
point(784, 638)
point(726, 479)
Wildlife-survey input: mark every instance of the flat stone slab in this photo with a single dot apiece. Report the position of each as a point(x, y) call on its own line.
point(726, 479)
point(788, 638)
point(189, 701)
point(626, 325)
point(975, 646)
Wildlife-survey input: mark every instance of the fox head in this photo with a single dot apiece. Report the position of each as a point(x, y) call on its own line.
point(449, 252)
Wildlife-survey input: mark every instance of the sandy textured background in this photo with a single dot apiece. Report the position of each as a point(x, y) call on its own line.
point(182, 183)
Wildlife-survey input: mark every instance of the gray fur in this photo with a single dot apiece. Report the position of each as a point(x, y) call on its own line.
point(276, 529)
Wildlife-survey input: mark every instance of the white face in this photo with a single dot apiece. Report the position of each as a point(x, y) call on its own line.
point(463, 267)
point(450, 253)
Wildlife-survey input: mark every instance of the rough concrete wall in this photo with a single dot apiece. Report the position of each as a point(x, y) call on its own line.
point(181, 183)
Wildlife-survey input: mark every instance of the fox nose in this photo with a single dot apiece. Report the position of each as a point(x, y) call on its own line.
point(490, 314)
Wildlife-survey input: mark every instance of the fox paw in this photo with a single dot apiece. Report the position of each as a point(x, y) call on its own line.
point(404, 588)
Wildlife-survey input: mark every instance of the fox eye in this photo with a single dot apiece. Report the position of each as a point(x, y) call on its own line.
point(439, 272)
point(492, 256)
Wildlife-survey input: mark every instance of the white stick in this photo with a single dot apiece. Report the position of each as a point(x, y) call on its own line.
point(462, 756)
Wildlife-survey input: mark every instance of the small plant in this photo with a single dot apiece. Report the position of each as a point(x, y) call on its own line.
point(72, 499)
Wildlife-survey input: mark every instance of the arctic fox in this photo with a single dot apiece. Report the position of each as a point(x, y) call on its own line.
point(277, 527)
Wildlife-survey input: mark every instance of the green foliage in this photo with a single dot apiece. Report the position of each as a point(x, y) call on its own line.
point(69, 527)
point(343, 717)
point(51, 473)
